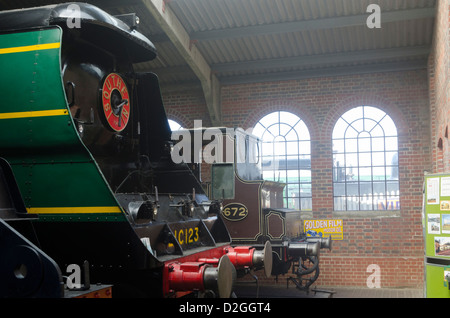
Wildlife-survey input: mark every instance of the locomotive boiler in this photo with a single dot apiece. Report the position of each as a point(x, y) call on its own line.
point(88, 144)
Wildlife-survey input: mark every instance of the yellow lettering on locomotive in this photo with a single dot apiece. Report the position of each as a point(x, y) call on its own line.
point(180, 240)
point(187, 235)
point(235, 212)
point(108, 84)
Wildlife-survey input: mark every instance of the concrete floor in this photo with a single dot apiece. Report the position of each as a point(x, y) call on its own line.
point(279, 291)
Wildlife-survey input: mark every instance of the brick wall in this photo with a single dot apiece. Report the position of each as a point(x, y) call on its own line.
point(395, 244)
point(438, 69)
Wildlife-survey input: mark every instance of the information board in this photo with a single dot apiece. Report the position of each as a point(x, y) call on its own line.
point(437, 216)
point(436, 226)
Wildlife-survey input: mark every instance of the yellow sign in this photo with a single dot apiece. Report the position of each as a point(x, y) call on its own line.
point(324, 228)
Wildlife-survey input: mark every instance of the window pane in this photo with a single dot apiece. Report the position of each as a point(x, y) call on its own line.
point(293, 176)
point(351, 145)
point(279, 146)
point(369, 123)
point(285, 129)
point(338, 174)
point(365, 174)
point(378, 144)
point(281, 176)
point(351, 160)
point(379, 173)
point(380, 202)
point(292, 148)
point(392, 188)
point(358, 125)
point(289, 119)
point(291, 135)
point(266, 136)
point(377, 131)
point(352, 189)
point(339, 189)
point(340, 204)
point(174, 125)
point(366, 203)
point(274, 130)
point(292, 203)
point(304, 147)
point(338, 146)
point(305, 175)
point(373, 113)
point(269, 175)
point(306, 204)
point(267, 149)
point(306, 189)
point(392, 158)
point(391, 144)
point(292, 190)
point(365, 161)
point(364, 145)
point(379, 188)
point(302, 131)
point(392, 173)
point(365, 188)
point(351, 173)
point(338, 160)
point(388, 126)
point(351, 132)
point(378, 159)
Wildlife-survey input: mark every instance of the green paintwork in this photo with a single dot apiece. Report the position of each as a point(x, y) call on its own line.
point(52, 166)
point(435, 287)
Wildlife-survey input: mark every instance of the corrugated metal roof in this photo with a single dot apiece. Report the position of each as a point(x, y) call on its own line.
point(257, 40)
point(272, 32)
point(202, 15)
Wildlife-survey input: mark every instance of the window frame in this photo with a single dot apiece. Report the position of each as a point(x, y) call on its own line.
point(388, 202)
point(290, 132)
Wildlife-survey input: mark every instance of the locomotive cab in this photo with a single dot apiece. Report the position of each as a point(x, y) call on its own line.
point(252, 207)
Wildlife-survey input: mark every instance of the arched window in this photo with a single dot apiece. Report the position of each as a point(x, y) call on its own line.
point(365, 161)
point(286, 156)
point(174, 125)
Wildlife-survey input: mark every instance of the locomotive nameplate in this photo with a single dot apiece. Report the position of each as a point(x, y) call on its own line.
point(186, 236)
point(235, 212)
point(116, 102)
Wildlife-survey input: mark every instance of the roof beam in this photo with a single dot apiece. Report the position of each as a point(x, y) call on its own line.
point(182, 41)
point(317, 60)
point(419, 64)
point(401, 66)
point(316, 24)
